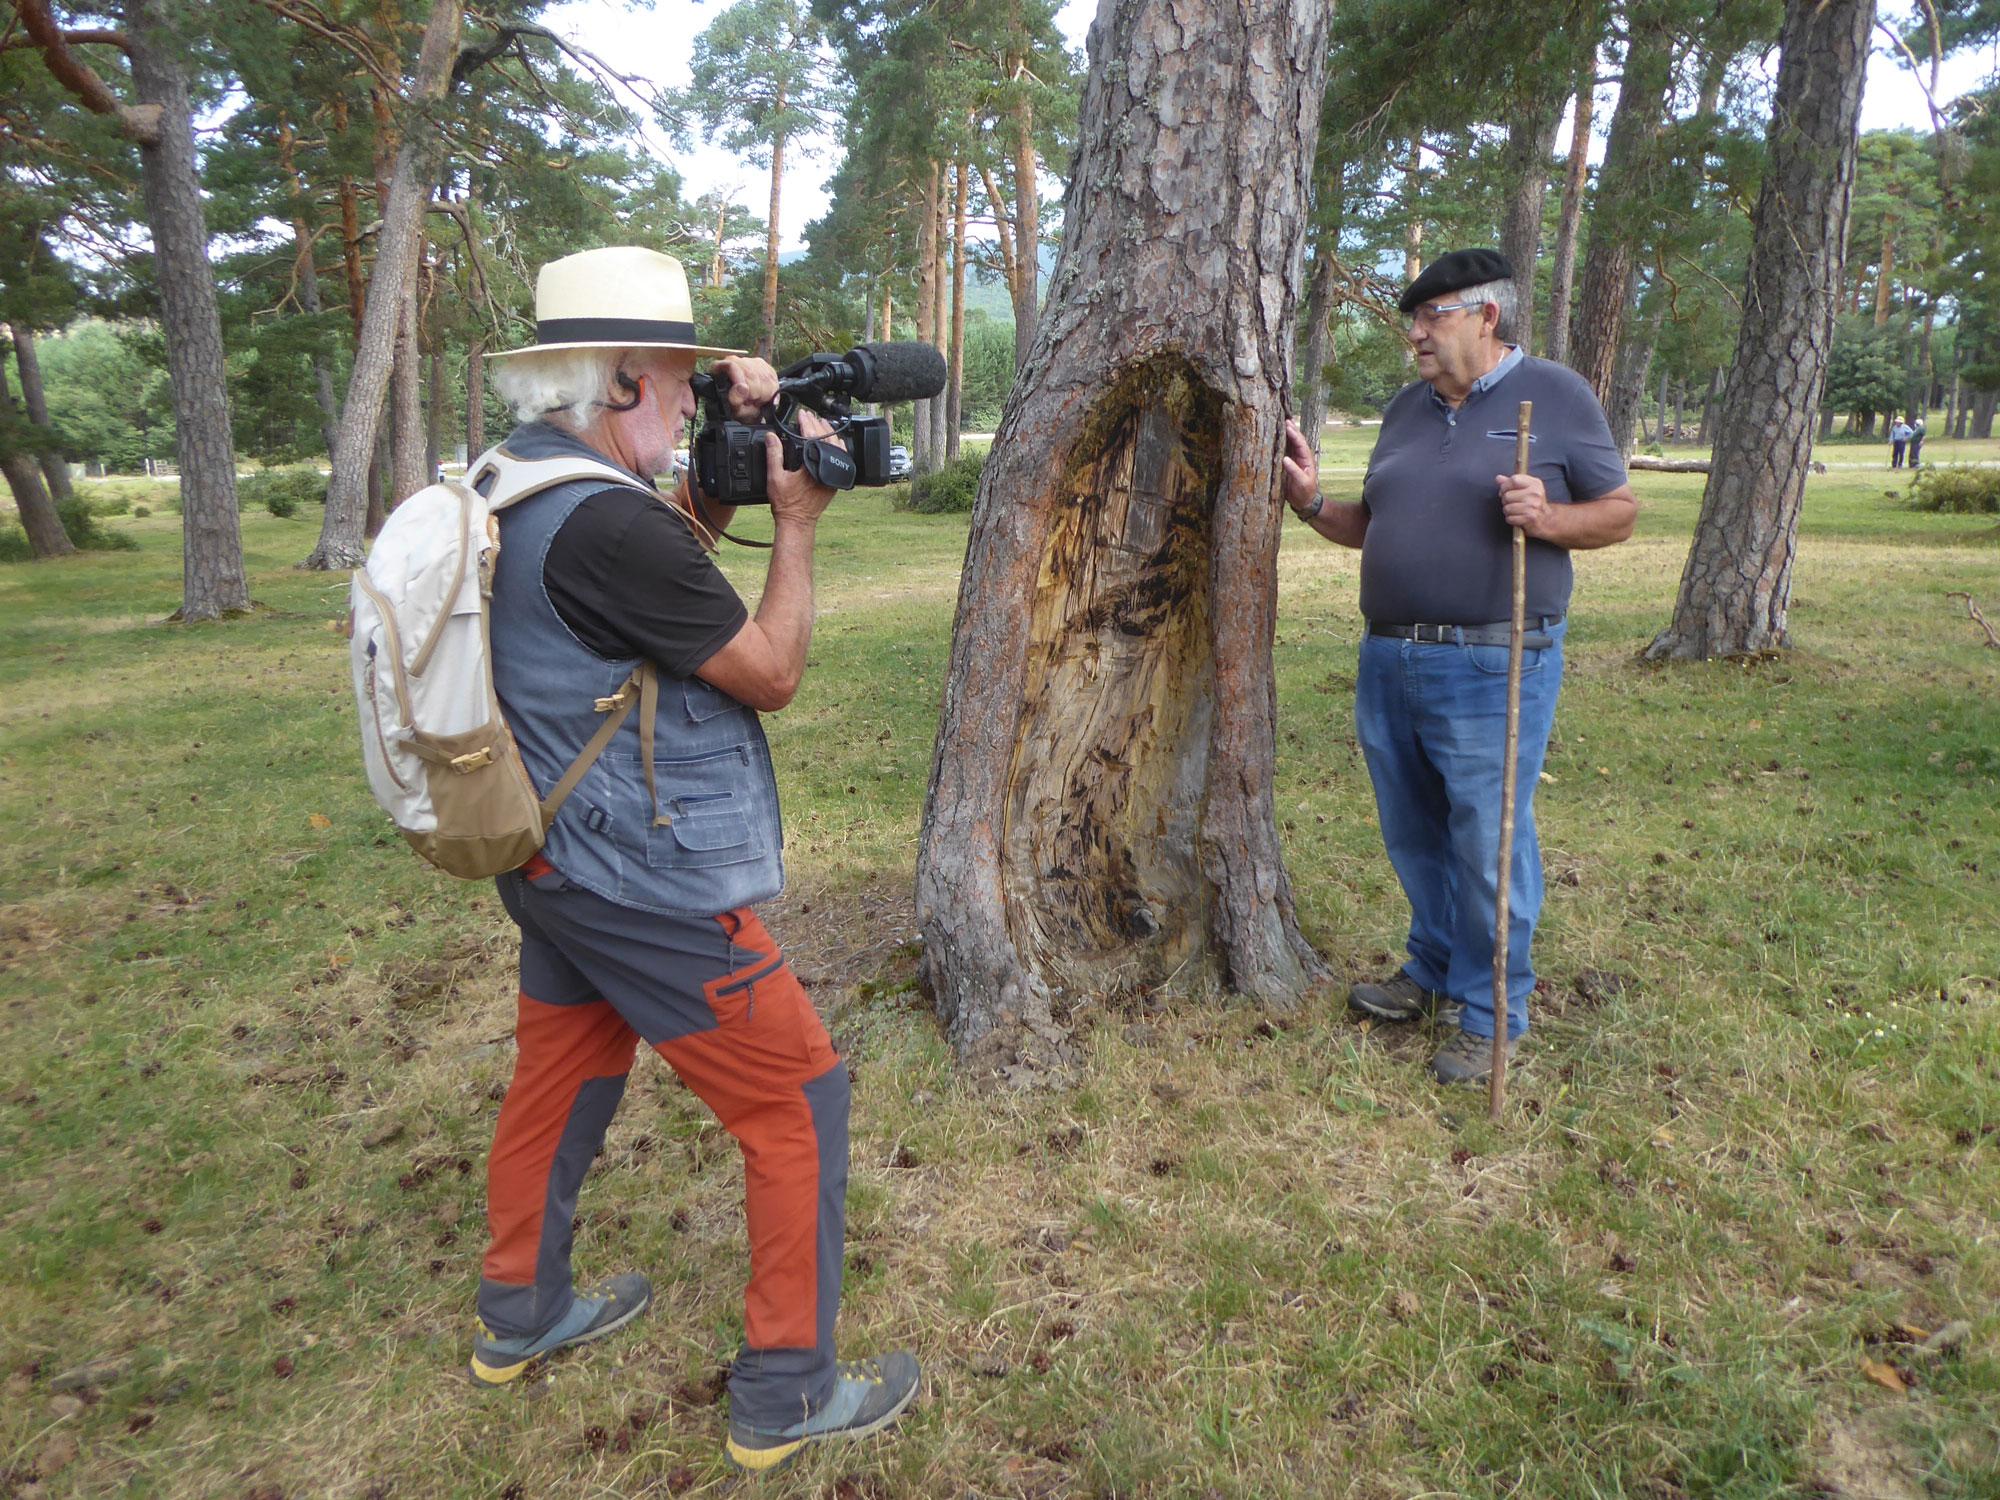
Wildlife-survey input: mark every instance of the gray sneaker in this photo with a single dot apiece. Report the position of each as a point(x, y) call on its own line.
point(1468, 1059)
point(1399, 998)
point(606, 1308)
point(868, 1394)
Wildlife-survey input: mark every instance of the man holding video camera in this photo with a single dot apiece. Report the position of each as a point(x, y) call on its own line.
point(636, 917)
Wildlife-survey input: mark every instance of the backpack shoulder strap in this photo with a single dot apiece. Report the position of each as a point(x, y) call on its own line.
point(513, 480)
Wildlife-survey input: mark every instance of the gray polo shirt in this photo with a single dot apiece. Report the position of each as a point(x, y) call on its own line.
point(1438, 551)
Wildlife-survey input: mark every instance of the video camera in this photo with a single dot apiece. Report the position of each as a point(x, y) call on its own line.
point(729, 456)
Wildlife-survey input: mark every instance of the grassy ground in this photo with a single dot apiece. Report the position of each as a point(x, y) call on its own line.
point(250, 1052)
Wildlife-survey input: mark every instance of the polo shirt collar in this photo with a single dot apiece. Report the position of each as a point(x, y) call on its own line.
point(1508, 362)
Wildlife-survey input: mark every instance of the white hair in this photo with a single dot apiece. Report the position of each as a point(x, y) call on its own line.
point(563, 386)
point(1501, 295)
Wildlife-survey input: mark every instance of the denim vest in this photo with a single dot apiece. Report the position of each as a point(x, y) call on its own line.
point(715, 841)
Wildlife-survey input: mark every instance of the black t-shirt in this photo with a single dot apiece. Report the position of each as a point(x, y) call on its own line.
point(629, 578)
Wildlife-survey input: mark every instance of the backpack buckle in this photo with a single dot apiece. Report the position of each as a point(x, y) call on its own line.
point(473, 761)
point(616, 701)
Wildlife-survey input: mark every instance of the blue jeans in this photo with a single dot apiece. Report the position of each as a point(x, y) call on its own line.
point(1432, 721)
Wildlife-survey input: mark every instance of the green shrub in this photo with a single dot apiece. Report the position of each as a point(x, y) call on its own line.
point(140, 512)
point(114, 497)
point(105, 502)
point(282, 491)
point(949, 491)
point(14, 545)
point(1960, 489)
point(87, 532)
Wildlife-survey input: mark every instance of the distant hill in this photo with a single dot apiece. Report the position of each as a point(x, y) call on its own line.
point(983, 294)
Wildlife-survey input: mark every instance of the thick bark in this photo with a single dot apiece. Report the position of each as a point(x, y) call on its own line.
point(1413, 207)
point(1885, 278)
point(1028, 231)
point(406, 399)
point(54, 469)
point(927, 294)
point(305, 272)
point(1628, 382)
point(212, 578)
point(1736, 587)
point(1531, 136)
point(1319, 326)
point(955, 384)
point(941, 318)
point(767, 341)
point(1562, 269)
point(395, 255)
point(46, 537)
point(1100, 816)
point(475, 400)
point(1631, 162)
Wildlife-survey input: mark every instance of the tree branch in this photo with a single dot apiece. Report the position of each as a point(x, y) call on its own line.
point(139, 121)
point(1971, 609)
point(84, 38)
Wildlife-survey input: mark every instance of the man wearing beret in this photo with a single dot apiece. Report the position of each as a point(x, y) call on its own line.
point(1430, 701)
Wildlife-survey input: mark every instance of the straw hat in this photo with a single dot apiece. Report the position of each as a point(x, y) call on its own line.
point(623, 297)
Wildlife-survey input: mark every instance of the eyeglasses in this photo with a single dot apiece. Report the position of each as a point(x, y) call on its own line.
point(1430, 312)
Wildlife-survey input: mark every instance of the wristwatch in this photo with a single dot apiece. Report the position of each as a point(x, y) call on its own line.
point(1314, 509)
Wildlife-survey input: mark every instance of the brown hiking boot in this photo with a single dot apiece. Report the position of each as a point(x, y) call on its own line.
point(1468, 1059)
point(1399, 998)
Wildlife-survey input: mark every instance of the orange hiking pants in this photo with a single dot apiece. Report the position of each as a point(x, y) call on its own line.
point(715, 998)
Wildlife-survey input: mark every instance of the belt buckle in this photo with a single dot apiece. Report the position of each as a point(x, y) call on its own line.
point(1435, 638)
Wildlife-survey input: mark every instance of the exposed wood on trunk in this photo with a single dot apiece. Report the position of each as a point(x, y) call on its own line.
point(1562, 271)
point(1736, 587)
point(46, 537)
point(1100, 815)
point(955, 381)
point(54, 469)
point(395, 256)
point(212, 577)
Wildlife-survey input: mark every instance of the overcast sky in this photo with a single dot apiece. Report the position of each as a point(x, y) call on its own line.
point(658, 41)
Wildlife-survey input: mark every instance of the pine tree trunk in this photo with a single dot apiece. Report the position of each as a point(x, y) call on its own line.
point(437, 399)
point(927, 295)
point(54, 469)
point(305, 271)
point(1885, 278)
point(1413, 208)
point(1631, 162)
point(1028, 236)
point(1628, 384)
point(212, 578)
point(955, 386)
point(347, 498)
point(1531, 136)
point(1711, 407)
point(1100, 815)
point(721, 231)
point(1319, 327)
point(1680, 410)
point(46, 537)
point(1562, 271)
point(1983, 403)
point(1736, 587)
point(475, 400)
point(767, 342)
point(406, 399)
point(941, 319)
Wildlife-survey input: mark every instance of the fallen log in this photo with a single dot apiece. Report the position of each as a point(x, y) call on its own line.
point(1667, 465)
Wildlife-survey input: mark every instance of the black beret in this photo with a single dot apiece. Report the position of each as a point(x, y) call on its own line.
point(1459, 268)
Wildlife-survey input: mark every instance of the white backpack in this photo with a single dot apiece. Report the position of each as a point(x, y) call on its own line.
point(440, 758)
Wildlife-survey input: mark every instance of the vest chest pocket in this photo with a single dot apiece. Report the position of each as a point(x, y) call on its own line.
point(707, 813)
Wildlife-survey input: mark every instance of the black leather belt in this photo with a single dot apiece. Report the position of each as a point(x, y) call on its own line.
point(1534, 639)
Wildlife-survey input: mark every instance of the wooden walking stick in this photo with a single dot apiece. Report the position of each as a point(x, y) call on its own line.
point(1496, 1083)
